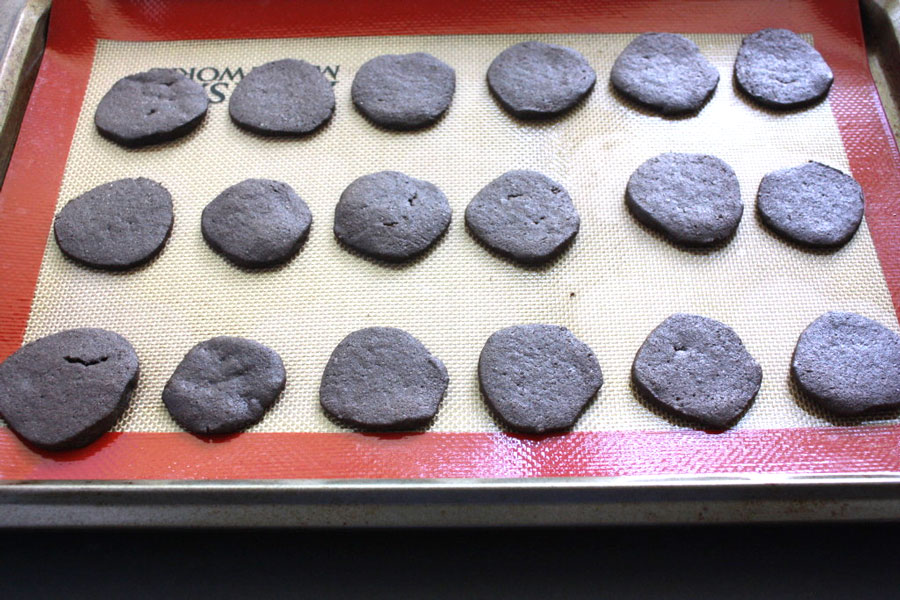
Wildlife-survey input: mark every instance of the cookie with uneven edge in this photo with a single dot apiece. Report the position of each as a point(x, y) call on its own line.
point(403, 91)
point(286, 97)
point(777, 68)
point(523, 215)
point(665, 72)
point(812, 204)
point(382, 378)
point(535, 80)
point(256, 223)
point(65, 390)
point(224, 385)
point(693, 199)
point(391, 216)
point(697, 368)
point(116, 226)
point(848, 364)
point(538, 378)
point(151, 107)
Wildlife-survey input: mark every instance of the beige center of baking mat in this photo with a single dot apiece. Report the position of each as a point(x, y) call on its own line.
point(614, 285)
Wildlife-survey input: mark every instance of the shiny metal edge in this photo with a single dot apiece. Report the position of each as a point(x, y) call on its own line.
point(23, 27)
point(745, 498)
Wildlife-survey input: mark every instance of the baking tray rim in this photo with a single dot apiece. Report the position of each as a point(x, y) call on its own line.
point(615, 500)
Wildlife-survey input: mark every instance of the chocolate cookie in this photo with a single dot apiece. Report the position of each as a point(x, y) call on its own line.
point(538, 378)
point(391, 216)
point(848, 364)
point(65, 390)
point(812, 204)
point(697, 368)
point(382, 378)
point(283, 97)
point(777, 68)
point(117, 225)
point(693, 199)
point(666, 72)
point(403, 91)
point(151, 107)
point(523, 215)
point(224, 385)
point(536, 80)
point(256, 223)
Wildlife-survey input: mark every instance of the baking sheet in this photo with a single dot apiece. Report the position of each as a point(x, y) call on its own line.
point(614, 285)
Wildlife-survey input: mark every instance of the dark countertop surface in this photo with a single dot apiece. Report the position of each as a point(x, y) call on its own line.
point(811, 561)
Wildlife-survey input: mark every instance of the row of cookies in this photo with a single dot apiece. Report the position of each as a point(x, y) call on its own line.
point(692, 199)
point(65, 390)
point(663, 71)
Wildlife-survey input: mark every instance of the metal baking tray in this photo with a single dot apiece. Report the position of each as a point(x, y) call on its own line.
point(633, 499)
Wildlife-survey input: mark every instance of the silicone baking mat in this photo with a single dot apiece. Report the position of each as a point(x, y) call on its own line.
point(611, 287)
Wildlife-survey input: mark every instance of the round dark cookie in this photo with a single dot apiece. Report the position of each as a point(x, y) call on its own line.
point(693, 199)
point(283, 97)
point(382, 378)
point(224, 385)
point(523, 215)
point(256, 223)
point(777, 68)
point(403, 91)
point(848, 364)
point(535, 80)
point(391, 216)
point(151, 107)
point(812, 204)
point(65, 390)
point(697, 368)
point(117, 225)
point(666, 72)
point(538, 378)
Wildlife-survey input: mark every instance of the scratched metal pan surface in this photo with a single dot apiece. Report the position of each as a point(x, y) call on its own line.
point(623, 462)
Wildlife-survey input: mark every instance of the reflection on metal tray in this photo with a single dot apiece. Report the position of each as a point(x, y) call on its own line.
point(23, 25)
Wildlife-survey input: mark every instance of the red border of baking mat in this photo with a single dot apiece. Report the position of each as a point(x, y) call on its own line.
point(28, 198)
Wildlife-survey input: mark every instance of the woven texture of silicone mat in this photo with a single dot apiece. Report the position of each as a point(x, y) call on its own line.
point(614, 285)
